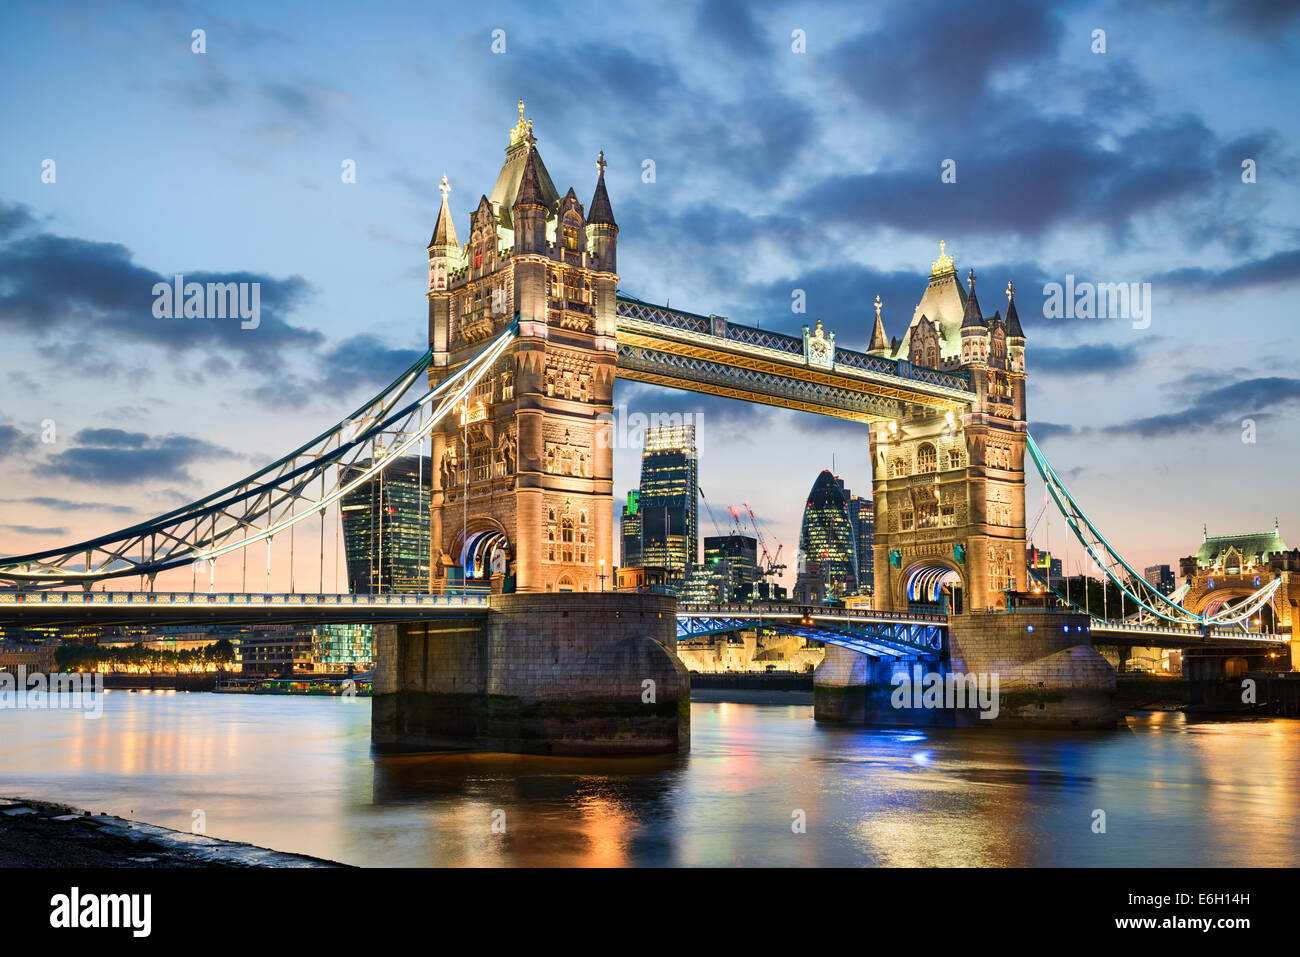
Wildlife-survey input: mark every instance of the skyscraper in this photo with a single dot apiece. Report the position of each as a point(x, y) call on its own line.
point(1160, 576)
point(386, 528)
point(826, 537)
point(862, 516)
point(668, 499)
point(630, 530)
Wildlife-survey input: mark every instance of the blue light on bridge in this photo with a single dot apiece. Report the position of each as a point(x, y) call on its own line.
point(1029, 627)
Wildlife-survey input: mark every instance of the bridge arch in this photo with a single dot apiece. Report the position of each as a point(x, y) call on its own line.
point(482, 546)
point(931, 582)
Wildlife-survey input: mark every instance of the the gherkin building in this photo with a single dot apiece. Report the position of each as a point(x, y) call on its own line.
point(826, 536)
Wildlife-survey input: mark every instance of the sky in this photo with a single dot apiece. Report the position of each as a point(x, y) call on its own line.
point(794, 147)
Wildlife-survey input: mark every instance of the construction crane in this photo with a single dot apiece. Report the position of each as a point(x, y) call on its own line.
point(770, 565)
point(708, 509)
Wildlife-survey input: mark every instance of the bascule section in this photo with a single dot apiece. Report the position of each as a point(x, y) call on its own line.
point(522, 490)
point(949, 484)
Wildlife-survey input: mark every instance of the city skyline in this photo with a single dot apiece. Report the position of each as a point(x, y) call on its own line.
point(826, 182)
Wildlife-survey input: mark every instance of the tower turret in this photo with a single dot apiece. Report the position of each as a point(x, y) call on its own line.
point(602, 231)
point(974, 333)
point(1015, 335)
point(530, 208)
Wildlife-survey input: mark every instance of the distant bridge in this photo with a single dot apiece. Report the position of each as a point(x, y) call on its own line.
point(48, 608)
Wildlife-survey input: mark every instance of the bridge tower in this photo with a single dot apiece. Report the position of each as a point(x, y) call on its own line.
point(522, 492)
point(949, 486)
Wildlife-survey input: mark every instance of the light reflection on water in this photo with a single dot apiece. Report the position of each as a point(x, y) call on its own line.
point(296, 774)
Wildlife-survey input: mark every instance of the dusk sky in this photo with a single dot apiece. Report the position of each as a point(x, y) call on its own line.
point(775, 170)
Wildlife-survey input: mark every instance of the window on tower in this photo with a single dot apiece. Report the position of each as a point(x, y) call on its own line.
point(927, 459)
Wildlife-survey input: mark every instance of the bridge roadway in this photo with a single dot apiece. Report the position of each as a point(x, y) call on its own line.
point(865, 630)
point(36, 608)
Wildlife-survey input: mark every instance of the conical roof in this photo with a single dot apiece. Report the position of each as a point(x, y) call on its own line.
point(973, 318)
point(600, 213)
point(505, 193)
point(1013, 318)
point(444, 230)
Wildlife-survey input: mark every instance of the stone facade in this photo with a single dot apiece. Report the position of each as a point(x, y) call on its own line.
point(949, 488)
point(541, 674)
point(520, 482)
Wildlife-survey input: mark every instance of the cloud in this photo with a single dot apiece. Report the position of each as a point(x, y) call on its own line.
point(1102, 359)
point(114, 457)
point(1046, 431)
point(53, 288)
point(68, 505)
point(1278, 270)
point(1226, 406)
point(35, 530)
point(13, 440)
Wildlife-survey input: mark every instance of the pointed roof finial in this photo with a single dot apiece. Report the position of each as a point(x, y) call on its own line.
point(944, 263)
point(444, 187)
point(523, 129)
point(877, 305)
point(970, 282)
point(1011, 291)
point(600, 163)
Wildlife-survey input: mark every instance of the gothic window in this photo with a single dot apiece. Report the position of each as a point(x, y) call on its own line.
point(566, 539)
point(550, 539)
point(947, 516)
point(954, 459)
point(570, 237)
point(927, 515)
point(480, 463)
point(927, 460)
point(929, 355)
point(550, 382)
point(478, 258)
point(507, 386)
point(898, 469)
point(909, 518)
point(582, 387)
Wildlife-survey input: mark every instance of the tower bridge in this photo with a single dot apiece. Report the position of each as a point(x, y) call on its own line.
point(527, 332)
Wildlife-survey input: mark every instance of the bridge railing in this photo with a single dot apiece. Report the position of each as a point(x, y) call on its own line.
point(66, 599)
point(815, 611)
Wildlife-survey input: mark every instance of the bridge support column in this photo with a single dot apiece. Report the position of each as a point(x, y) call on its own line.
point(1046, 674)
point(568, 673)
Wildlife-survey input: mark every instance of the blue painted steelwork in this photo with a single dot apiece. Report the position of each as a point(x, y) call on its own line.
point(876, 634)
point(1133, 585)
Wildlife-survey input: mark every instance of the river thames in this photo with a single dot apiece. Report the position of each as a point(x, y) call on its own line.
point(296, 774)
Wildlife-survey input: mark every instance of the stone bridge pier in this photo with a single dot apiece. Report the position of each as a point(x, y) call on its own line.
point(572, 673)
point(1047, 672)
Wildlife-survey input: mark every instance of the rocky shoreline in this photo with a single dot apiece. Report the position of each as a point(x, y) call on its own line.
point(43, 834)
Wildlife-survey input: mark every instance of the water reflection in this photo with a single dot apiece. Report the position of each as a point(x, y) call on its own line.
point(297, 774)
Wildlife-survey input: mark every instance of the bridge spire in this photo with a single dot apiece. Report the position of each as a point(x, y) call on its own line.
point(1013, 317)
point(879, 343)
point(444, 230)
point(974, 318)
point(600, 212)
